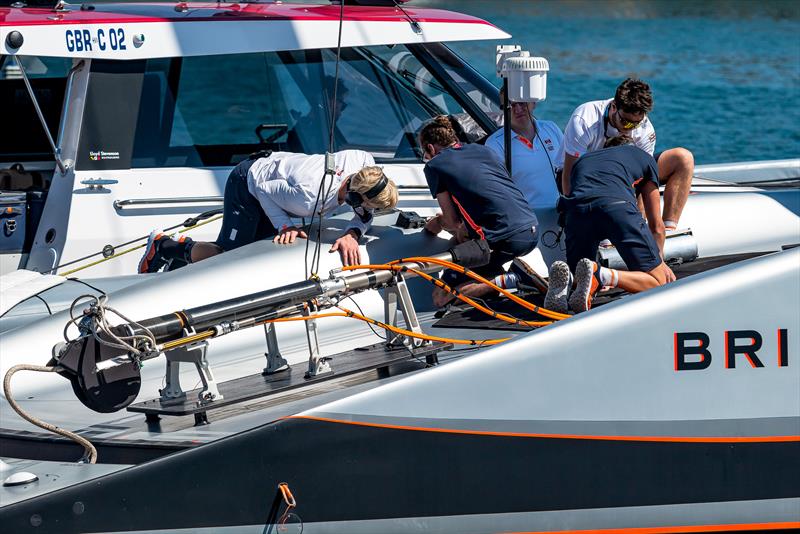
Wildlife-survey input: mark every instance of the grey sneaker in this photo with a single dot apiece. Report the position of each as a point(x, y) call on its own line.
point(558, 292)
point(587, 284)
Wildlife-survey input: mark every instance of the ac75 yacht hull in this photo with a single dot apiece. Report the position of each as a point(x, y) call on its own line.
point(656, 413)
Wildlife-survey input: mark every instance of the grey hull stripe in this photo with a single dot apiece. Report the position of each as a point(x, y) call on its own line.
point(761, 427)
point(724, 513)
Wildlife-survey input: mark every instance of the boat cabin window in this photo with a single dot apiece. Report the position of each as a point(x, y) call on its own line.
point(217, 110)
point(22, 138)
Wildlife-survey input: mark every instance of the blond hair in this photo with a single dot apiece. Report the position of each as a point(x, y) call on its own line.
point(366, 179)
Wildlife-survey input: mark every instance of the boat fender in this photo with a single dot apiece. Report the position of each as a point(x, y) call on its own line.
point(471, 254)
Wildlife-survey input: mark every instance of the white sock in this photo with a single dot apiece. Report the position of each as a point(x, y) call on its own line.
point(608, 277)
point(506, 280)
point(670, 225)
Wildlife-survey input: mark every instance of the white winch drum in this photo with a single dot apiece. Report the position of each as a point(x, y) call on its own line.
point(527, 78)
point(681, 248)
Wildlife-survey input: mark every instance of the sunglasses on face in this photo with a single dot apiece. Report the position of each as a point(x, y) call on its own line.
point(625, 123)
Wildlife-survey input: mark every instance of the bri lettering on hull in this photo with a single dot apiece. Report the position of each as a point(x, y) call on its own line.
point(692, 349)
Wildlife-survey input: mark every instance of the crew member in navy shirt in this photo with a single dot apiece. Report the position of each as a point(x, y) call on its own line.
point(478, 201)
point(602, 203)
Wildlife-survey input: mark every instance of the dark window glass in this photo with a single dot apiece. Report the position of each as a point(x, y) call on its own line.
point(214, 111)
point(22, 137)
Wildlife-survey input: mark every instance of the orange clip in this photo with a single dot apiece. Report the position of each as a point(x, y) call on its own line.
point(288, 498)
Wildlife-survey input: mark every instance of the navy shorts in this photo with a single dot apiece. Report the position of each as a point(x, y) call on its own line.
point(243, 220)
point(503, 251)
point(620, 221)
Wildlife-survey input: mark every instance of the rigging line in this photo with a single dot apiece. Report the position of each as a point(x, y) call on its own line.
point(332, 120)
point(196, 224)
point(332, 109)
point(90, 454)
point(351, 299)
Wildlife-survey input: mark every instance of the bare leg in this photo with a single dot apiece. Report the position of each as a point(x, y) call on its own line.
point(470, 289)
point(203, 249)
point(638, 281)
point(675, 169)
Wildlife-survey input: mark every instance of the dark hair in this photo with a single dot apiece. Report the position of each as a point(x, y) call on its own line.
point(634, 96)
point(439, 131)
point(619, 140)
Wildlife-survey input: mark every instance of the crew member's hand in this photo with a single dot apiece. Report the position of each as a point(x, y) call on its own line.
point(461, 234)
point(670, 275)
point(288, 235)
point(347, 245)
point(434, 225)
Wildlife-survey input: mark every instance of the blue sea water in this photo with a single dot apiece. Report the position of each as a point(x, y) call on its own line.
point(725, 74)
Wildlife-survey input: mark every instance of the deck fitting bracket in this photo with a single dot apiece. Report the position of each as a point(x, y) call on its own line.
point(196, 354)
point(398, 298)
point(317, 364)
point(275, 362)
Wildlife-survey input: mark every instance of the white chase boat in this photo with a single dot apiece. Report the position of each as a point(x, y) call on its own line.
point(673, 410)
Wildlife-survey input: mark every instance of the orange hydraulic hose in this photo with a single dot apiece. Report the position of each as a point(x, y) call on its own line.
point(348, 313)
point(460, 296)
point(454, 266)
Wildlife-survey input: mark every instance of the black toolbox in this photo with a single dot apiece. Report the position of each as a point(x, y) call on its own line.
point(13, 207)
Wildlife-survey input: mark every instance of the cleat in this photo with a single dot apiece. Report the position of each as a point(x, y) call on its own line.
point(587, 285)
point(152, 260)
point(558, 292)
point(527, 277)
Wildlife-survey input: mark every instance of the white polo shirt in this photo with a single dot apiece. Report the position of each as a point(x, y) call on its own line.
point(586, 130)
point(533, 163)
point(286, 184)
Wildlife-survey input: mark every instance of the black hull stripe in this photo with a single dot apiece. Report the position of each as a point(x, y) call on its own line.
point(752, 427)
point(342, 472)
point(663, 438)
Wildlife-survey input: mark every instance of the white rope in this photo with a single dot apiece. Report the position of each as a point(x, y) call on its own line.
point(91, 452)
point(98, 310)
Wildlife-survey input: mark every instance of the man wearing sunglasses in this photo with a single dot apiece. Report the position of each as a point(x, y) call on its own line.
point(594, 123)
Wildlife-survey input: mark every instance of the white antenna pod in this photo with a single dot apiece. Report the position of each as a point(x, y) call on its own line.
point(527, 78)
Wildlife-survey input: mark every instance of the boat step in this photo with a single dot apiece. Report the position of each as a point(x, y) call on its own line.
point(377, 356)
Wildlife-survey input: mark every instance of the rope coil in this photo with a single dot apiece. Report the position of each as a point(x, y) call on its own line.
point(90, 455)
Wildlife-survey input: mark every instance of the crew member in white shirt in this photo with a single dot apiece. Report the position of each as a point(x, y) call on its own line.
point(536, 154)
point(593, 123)
point(263, 195)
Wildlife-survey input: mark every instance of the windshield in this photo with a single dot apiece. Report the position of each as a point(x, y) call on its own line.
point(215, 111)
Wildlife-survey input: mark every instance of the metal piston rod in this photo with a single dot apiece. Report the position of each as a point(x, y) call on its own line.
point(97, 369)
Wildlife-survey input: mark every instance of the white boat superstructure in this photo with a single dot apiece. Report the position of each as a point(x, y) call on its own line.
point(149, 108)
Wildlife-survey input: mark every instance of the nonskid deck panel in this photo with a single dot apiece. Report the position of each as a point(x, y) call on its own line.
point(258, 385)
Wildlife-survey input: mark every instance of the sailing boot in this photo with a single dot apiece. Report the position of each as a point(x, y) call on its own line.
point(526, 276)
point(184, 258)
point(152, 259)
